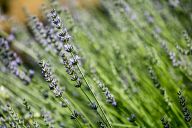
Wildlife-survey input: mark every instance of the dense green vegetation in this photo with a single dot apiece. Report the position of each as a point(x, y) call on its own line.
point(124, 63)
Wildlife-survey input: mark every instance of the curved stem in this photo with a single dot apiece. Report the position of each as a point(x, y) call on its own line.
point(87, 84)
point(72, 112)
point(91, 103)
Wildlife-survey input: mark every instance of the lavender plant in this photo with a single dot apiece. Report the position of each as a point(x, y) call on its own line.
point(118, 64)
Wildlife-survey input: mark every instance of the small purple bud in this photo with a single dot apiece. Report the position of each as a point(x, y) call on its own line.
point(31, 73)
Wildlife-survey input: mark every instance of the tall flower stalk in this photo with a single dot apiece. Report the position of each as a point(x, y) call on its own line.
point(53, 85)
point(65, 38)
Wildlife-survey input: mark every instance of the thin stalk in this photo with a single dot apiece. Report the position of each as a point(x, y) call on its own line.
point(76, 106)
point(92, 92)
point(91, 103)
point(71, 112)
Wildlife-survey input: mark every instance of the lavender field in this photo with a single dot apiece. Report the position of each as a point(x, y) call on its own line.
point(117, 64)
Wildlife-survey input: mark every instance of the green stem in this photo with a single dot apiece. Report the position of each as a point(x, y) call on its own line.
point(92, 92)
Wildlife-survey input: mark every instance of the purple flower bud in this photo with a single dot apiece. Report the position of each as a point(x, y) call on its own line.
point(68, 48)
point(31, 73)
point(114, 103)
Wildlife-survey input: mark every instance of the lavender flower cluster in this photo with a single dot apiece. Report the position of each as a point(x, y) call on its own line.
point(186, 113)
point(13, 62)
point(48, 76)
